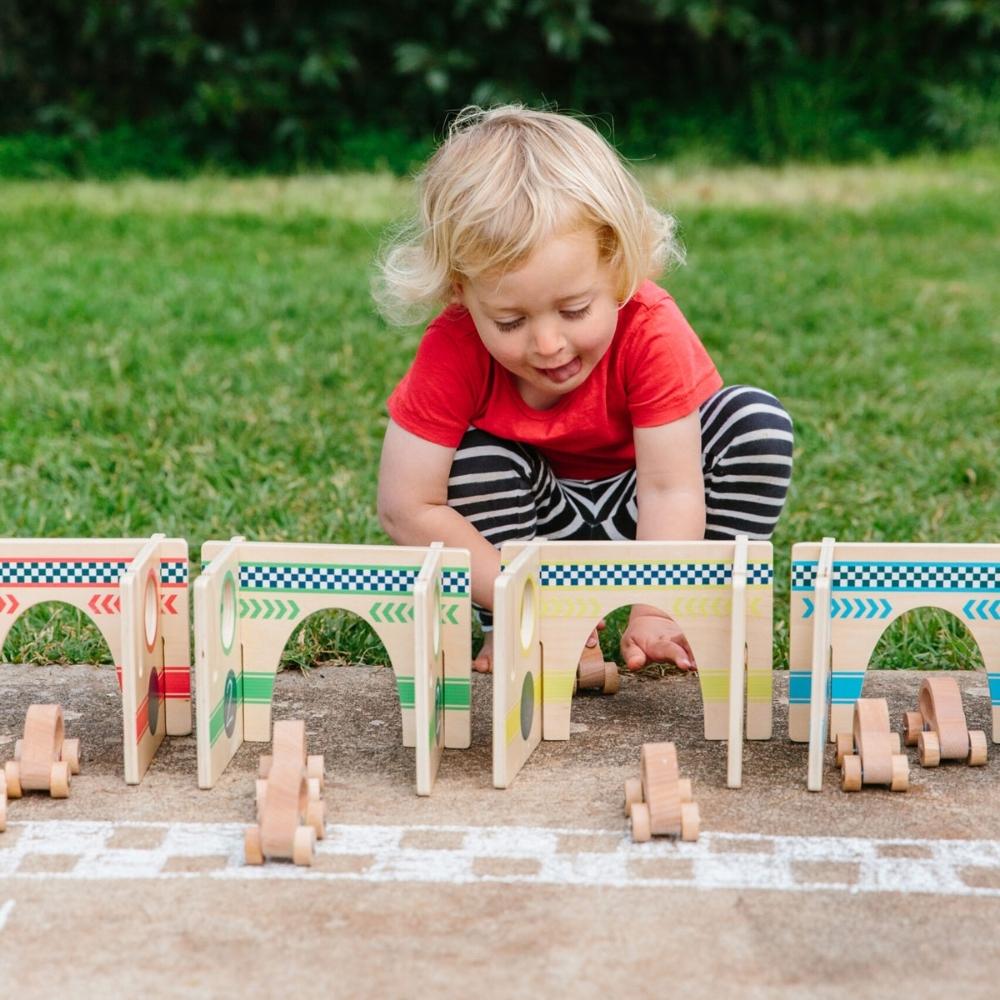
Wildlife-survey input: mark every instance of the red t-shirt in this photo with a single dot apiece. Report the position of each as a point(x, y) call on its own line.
point(655, 371)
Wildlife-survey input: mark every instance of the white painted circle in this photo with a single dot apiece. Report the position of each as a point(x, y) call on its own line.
point(529, 613)
point(228, 611)
point(151, 612)
point(436, 632)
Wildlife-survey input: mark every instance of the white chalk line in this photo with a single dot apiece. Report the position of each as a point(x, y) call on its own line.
point(5, 912)
point(461, 855)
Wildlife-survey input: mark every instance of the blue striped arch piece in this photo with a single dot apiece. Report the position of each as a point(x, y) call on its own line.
point(67, 572)
point(904, 576)
point(346, 579)
point(647, 574)
point(994, 682)
point(844, 686)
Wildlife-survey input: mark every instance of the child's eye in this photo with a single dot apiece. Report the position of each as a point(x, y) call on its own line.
point(576, 313)
point(505, 326)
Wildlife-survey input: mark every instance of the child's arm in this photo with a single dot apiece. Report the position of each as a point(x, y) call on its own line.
point(670, 492)
point(413, 505)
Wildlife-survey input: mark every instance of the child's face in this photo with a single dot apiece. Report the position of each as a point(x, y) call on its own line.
point(550, 321)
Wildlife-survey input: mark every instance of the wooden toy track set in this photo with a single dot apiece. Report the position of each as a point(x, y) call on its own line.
point(844, 596)
point(871, 753)
point(43, 758)
point(134, 590)
point(659, 801)
point(290, 811)
point(938, 728)
point(550, 595)
point(252, 595)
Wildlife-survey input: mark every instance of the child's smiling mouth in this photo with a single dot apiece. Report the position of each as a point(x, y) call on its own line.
point(563, 373)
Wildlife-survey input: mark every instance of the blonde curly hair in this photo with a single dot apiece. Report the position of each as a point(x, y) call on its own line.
point(504, 180)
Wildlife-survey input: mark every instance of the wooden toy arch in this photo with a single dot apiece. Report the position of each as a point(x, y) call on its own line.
point(869, 586)
point(252, 596)
point(135, 593)
point(698, 584)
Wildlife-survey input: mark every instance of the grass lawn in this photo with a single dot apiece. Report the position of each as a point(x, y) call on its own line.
point(203, 359)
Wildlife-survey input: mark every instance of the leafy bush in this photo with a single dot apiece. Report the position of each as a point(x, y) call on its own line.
point(110, 86)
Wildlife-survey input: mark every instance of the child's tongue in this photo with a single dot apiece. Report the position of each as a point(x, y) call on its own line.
point(563, 373)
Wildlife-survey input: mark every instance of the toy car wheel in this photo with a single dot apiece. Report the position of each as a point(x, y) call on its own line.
point(684, 789)
point(12, 778)
point(71, 754)
point(851, 779)
point(913, 726)
point(59, 780)
point(264, 767)
point(690, 821)
point(253, 853)
point(929, 748)
point(641, 831)
point(900, 773)
point(612, 681)
point(845, 745)
point(633, 794)
point(977, 748)
point(315, 768)
point(303, 845)
point(896, 743)
point(316, 818)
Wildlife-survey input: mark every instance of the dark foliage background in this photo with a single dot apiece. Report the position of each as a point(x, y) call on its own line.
point(165, 86)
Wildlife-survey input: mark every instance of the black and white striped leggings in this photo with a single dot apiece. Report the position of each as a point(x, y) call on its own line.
point(508, 491)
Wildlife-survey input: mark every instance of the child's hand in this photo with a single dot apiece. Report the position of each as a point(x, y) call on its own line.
point(652, 636)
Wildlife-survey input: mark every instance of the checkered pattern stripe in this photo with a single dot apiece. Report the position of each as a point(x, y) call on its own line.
point(647, 574)
point(59, 572)
point(455, 582)
point(329, 579)
point(173, 571)
point(902, 576)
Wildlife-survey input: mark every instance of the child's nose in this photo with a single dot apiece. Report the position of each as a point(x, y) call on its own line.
point(548, 340)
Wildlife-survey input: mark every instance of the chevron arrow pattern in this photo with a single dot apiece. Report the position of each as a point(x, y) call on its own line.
point(982, 610)
point(570, 606)
point(852, 607)
point(391, 612)
point(701, 607)
point(168, 604)
point(449, 614)
point(268, 609)
point(107, 604)
point(9, 605)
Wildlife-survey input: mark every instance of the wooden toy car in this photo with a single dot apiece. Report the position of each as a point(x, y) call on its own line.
point(871, 754)
point(290, 810)
point(659, 802)
point(43, 759)
point(594, 673)
point(3, 806)
point(938, 727)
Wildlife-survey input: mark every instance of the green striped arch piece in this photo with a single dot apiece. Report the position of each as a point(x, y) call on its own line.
point(457, 693)
point(251, 688)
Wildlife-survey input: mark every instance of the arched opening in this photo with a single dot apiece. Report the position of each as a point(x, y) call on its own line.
point(70, 663)
point(926, 639)
point(55, 632)
point(361, 708)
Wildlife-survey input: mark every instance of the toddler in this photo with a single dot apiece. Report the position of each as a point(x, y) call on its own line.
point(560, 393)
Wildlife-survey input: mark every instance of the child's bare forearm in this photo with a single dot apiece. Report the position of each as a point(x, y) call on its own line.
point(669, 515)
point(441, 523)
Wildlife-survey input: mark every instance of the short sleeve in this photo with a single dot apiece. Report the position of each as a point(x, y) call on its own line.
point(443, 389)
point(667, 371)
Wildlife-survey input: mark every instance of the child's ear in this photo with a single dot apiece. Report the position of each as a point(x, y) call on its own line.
point(457, 293)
